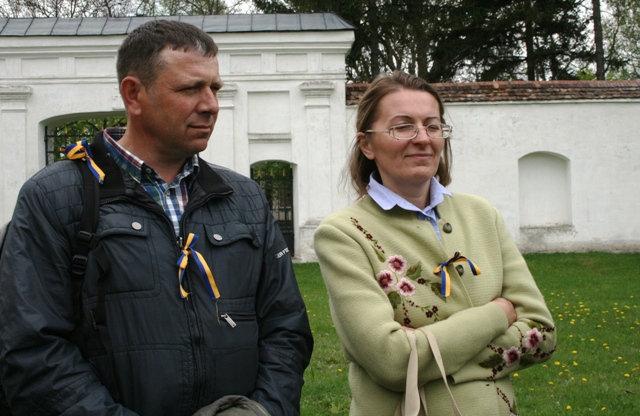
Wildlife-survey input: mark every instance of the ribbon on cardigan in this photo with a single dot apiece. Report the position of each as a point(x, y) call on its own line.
point(444, 274)
point(187, 250)
point(81, 150)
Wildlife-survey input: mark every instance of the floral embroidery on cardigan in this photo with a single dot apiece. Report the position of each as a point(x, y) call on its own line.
point(399, 283)
point(399, 280)
point(376, 246)
point(525, 354)
point(513, 408)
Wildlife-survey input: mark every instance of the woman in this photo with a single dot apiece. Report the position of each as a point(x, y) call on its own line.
point(383, 261)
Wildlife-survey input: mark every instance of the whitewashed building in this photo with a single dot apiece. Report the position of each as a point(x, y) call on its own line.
point(560, 164)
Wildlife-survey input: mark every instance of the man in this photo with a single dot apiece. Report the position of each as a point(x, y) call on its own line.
point(229, 321)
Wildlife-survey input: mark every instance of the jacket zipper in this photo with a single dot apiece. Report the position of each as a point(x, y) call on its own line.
point(194, 319)
point(237, 316)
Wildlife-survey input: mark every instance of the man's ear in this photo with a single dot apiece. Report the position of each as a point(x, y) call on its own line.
point(132, 92)
point(365, 146)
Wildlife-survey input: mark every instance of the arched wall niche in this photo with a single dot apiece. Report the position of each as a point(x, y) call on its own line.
point(544, 180)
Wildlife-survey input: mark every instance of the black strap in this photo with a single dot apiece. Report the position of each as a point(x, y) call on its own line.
point(87, 241)
point(3, 236)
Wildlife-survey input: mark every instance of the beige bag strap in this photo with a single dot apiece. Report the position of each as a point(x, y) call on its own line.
point(410, 403)
point(436, 354)
point(414, 396)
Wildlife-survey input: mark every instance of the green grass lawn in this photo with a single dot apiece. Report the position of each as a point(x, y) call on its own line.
point(593, 298)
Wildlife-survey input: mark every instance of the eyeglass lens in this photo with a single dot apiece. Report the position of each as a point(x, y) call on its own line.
point(409, 131)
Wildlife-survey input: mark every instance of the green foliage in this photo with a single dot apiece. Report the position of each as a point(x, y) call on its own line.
point(115, 8)
point(621, 27)
point(472, 40)
point(72, 132)
point(269, 169)
point(593, 298)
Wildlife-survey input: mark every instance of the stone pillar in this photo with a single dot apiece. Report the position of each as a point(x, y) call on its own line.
point(315, 184)
point(221, 148)
point(13, 141)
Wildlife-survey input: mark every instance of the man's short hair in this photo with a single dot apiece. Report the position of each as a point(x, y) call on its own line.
point(139, 54)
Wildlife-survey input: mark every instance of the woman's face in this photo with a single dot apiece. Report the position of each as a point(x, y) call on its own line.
point(406, 166)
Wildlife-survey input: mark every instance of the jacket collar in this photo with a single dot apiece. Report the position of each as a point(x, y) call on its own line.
point(209, 181)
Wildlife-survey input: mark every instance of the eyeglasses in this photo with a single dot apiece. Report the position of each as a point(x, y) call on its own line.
point(410, 131)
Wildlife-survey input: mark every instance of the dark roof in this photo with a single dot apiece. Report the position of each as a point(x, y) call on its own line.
point(97, 26)
point(452, 92)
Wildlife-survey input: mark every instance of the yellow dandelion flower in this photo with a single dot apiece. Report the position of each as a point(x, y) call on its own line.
point(584, 379)
point(568, 407)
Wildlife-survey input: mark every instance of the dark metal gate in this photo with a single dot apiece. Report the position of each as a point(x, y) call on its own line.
point(71, 132)
point(55, 137)
point(276, 180)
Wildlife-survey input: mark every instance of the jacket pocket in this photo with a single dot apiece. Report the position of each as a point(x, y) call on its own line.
point(236, 347)
point(128, 245)
point(227, 234)
point(234, 254)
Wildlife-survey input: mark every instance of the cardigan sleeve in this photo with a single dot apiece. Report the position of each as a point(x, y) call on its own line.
point(364, 317)
point(531, 339)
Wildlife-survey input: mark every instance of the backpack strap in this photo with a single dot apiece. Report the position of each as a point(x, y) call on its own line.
point(87, 241)
point(3, 234)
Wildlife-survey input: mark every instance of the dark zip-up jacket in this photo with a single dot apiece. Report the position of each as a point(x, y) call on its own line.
point(172, 356)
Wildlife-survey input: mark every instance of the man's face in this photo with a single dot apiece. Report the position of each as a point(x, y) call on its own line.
point(180, 107)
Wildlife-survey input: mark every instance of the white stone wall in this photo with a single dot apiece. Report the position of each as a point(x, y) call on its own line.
point(283, 99)
point(578, 192)
point(563, 174)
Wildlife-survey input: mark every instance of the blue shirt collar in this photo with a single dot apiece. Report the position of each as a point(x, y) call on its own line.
point(387, 199)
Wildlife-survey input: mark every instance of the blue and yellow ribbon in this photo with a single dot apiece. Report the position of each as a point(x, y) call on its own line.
point(202, 265)
point(444, 274)
point(81, 150)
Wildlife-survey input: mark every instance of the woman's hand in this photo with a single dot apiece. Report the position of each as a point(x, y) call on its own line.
point(508, 309)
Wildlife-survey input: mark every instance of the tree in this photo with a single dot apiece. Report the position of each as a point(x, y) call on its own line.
point(67, 8)
point(597, 34)
point(621, 33)
point(445, 40)
point(116, 8)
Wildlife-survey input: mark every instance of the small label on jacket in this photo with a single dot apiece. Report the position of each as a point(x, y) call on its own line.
point(282, 253)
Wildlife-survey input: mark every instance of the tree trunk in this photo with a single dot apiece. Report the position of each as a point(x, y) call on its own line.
point(597, 30)
point(375, 42)
point(528, 39)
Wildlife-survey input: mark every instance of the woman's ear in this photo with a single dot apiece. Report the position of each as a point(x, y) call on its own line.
point(365, 146)
point(133, 93)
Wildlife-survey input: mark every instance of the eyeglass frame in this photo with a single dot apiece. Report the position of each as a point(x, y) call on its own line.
point(417, 129)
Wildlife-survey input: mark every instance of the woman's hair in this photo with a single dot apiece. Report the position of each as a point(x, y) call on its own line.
point(139, 54)
point(360, 168)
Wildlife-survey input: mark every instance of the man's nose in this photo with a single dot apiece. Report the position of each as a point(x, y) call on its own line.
point(209, 102)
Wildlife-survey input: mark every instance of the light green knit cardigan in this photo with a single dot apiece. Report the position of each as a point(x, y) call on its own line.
point(378, 268)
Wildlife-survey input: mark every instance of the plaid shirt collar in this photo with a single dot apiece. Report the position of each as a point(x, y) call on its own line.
point(172, 197)
point(135, 166)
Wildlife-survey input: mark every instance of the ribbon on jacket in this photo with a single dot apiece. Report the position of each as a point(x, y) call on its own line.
point(205, 271)
point(81, 150)
point(444, 274)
